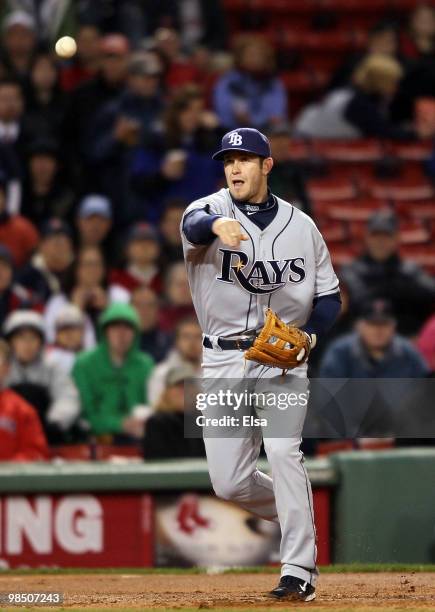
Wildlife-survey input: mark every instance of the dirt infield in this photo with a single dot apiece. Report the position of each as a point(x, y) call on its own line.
point(359, 591)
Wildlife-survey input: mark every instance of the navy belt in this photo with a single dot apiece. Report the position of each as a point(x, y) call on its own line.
point(238, 344)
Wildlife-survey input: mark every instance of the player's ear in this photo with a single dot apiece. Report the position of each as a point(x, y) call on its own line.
point(267, 165)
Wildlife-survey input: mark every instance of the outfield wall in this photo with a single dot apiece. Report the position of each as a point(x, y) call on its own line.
point(373, 507)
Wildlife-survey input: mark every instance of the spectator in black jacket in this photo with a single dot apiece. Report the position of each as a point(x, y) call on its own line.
point(381, 273)
point(164, 430)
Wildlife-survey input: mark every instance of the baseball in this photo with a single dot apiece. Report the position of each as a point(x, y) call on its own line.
point(66, 46)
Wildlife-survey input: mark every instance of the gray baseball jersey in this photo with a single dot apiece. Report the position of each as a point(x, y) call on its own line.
point(283, 267)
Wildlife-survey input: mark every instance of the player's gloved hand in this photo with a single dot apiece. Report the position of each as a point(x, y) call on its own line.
point(312, 339)
point(229, 231)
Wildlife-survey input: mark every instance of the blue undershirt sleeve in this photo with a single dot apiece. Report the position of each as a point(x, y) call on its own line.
point(324, 314)
point(197, 226)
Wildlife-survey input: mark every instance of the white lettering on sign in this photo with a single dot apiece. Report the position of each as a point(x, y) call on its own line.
point(79, 524)
point(29, 520)
point(74, 522)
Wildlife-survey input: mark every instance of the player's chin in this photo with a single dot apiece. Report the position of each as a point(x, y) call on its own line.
point(239, 193)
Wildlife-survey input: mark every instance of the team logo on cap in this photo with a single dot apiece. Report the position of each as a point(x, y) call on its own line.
point(235, 139)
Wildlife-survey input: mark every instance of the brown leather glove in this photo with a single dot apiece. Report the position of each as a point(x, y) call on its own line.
point(279, 345)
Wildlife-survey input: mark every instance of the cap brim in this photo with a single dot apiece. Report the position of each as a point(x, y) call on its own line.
point(219, 155)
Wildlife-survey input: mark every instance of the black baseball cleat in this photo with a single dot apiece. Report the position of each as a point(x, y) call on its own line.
point(292, 588)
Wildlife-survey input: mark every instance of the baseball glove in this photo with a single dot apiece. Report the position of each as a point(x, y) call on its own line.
point(279, 344)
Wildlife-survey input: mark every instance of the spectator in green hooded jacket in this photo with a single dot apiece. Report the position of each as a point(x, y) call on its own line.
point(112, 377)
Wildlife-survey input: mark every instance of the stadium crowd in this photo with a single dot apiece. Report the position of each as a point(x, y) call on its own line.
point(100, 154)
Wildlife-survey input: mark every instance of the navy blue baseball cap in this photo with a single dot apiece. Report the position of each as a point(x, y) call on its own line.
point(249, 140)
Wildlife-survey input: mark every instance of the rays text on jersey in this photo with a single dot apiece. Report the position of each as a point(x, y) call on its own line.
point(260, 276)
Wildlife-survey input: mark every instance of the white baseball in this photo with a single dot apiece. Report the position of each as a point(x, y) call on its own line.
point(66, 46)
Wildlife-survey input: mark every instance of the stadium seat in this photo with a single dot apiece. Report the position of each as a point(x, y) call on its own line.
point(333, 446)
point(299, 150)
point(410, 151)
point(71, 452)
point(422, 211)
point(341, 255)
point(334, 232)
point(414, 232)
point(297, 81)
point(107, 451)
point(331, 189)
point(424, 255)
point(348, 151)
point(401, 189)
point(358, 210)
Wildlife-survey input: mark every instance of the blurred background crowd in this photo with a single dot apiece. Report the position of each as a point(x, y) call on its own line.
point(102, 149)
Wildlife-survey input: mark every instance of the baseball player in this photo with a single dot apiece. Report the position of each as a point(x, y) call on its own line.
point(247, 251)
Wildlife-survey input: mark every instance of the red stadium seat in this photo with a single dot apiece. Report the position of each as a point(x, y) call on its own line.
point(298, 81)
point(414, 232)
point(348, 151)
point(71, 452)
point(358, 210)
point(401, 189)
point(424, 255)
point(334, 232)
point(341, 255)
point(320, 42)
point(423, 211)
point(107, 451)
point(331, 189)
point(410, 151)
point(299, 150)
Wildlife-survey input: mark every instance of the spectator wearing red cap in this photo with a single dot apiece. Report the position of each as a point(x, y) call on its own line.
point(50, 267)
point(21, 435)
point(16, 231)
point(142, 254)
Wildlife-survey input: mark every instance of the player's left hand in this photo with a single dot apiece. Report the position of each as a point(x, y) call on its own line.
point(303, 352)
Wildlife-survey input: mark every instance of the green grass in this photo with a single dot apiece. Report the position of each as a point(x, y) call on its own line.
point(327, 569)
